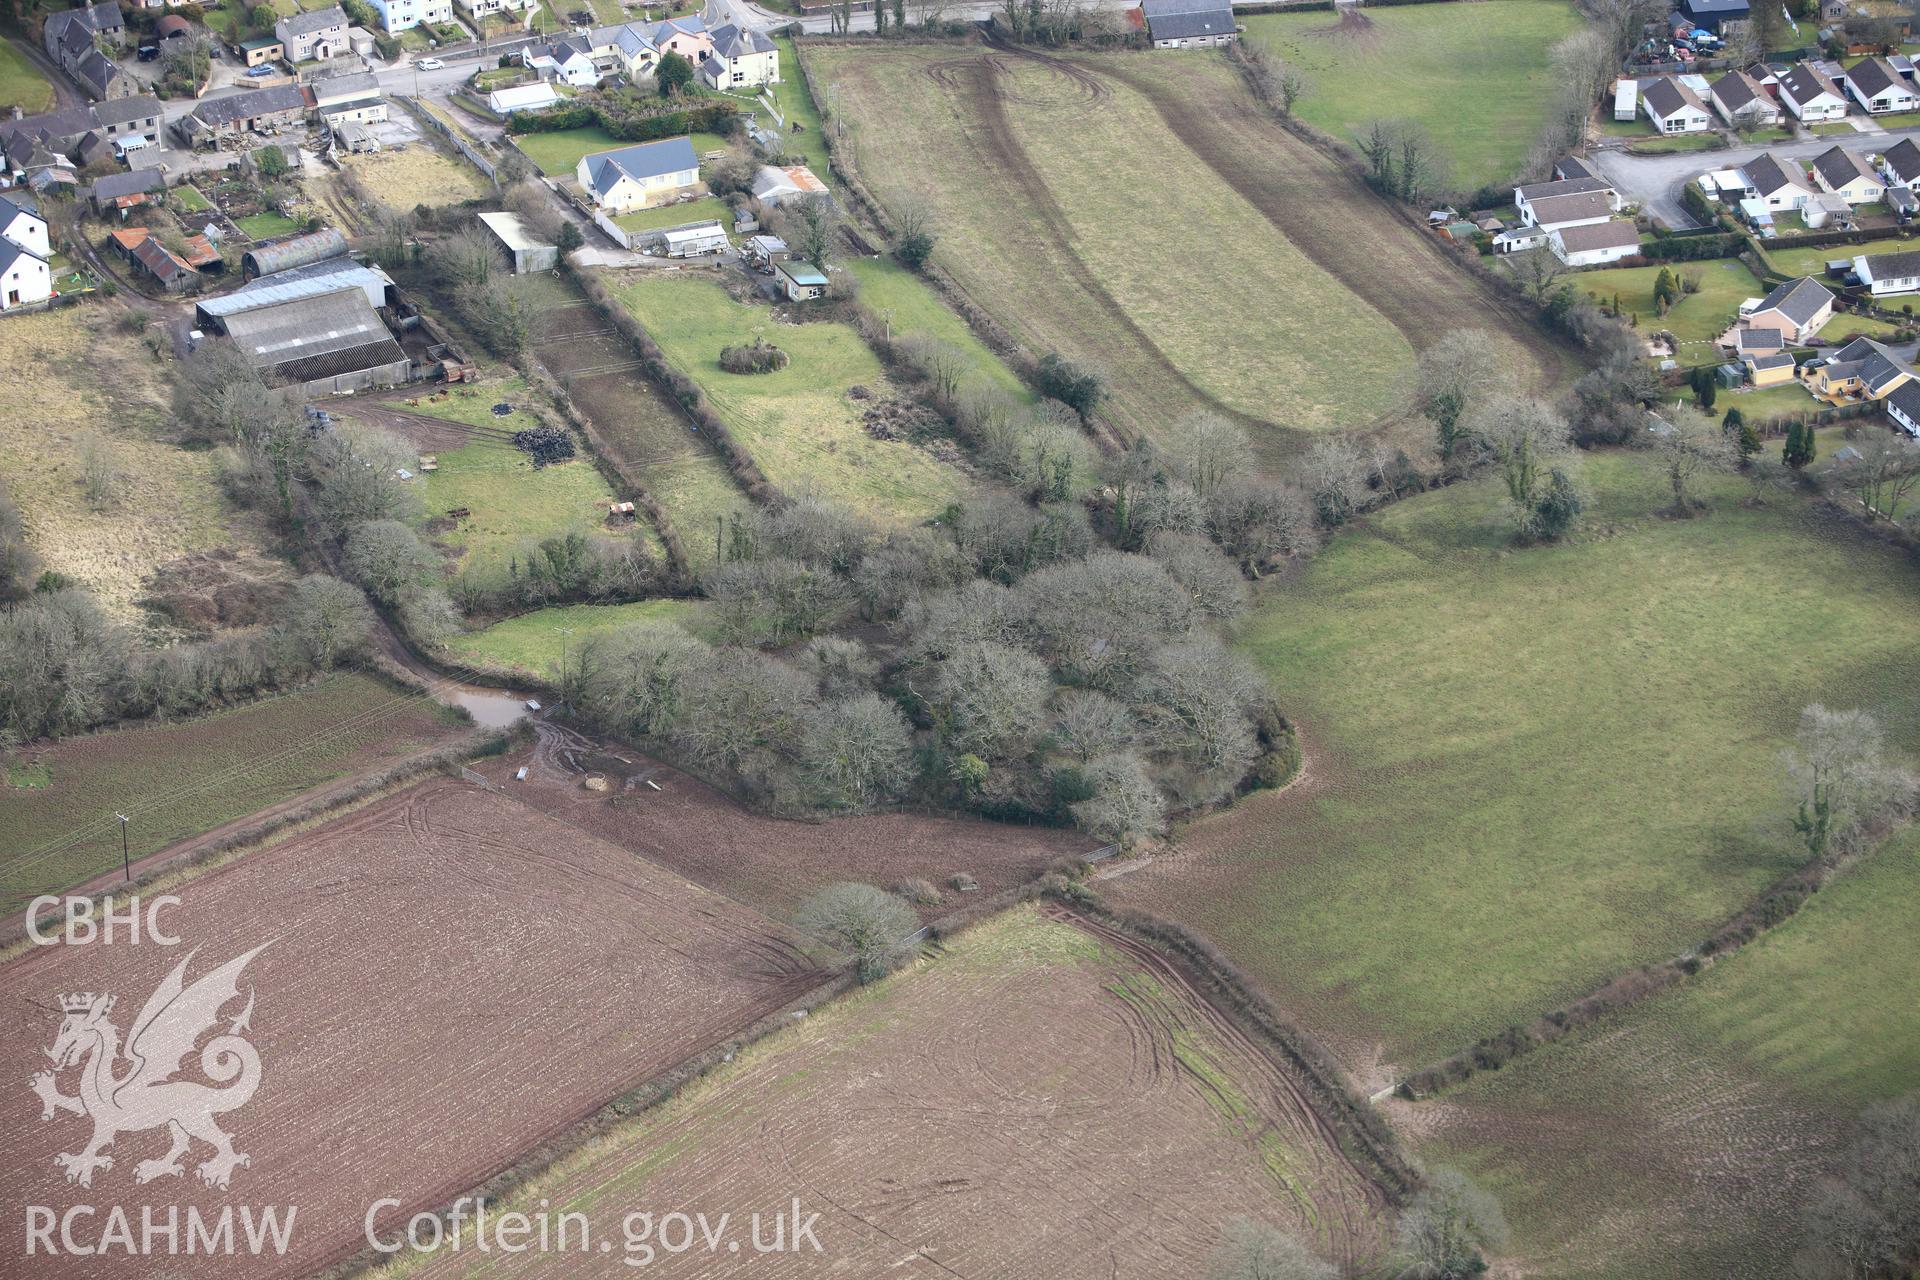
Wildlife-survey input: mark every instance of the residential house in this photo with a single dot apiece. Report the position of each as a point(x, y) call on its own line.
point(1889, 273)
point(121, 192)
point(693, 241)
point(143, 250)
point(261, 50)
point(1674, 108)
point(1519, 239)
point(1901, 163)
point(1903, 406)
point(258, 111)
point(477, 9)
point(1711, 15)
point(1763, 75)
point(1904, 203)
point(1594, 244)
point(1797, 310)
point(1550, 213)
point(1861, 370)
point(639, 177)
point(74, 137)
point(404, 15)
point(1848, 175)
point(1567, 168)
point(1525, 195)
point(522, 97)
point(773, 186)
point(1776, 185)
point(763, 251)
point(568, 62)
point(1769, 368)
point(26, 249)
point(74, 39)
point(1744, 102)
point(355, 98)
point(313, 36)
point(1187, 24)
point(687, 37)
point(741, 58)
point(800, 280)
point(1876, 86)
point(121, 119)
point(1810, 95)
point(524, 250)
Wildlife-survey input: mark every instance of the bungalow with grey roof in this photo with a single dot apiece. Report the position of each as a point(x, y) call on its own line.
point(1889, 273)
point(1876, 86)
point(1187, 24)
point(1847, 175)
point(1674, 108)
point(1595, 244)
point(1808, 93)
point(1527, 193)
point(1903, 406)
point(639, 177)
point(1776, 185)
point(1901, 163)
point(1743, 102)
point(1577, 209)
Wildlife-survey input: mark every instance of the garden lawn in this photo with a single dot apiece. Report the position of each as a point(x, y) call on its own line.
point(799, 424)
point(1697, 318)
point(21, 82)
point(709, 209)
point(268, 225)
point(1533, 769)
point(896, 294)
point(1813, 262)
point(532, 642)
point(1675, 142)
point(1475, 76)
point(190, 199)
point(797, 106)
point(557, 153)
point(177, 780)
point(1679, 1140)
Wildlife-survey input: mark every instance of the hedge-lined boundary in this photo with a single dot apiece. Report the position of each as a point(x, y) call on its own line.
point(683, 389)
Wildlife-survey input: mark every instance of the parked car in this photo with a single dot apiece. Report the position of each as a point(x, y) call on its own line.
point(429, 64)
point(254, 73)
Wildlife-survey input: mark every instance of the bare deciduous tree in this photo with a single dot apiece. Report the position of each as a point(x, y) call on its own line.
point(989, 700)
point(388, 559)
point(1522, 436)
point(1453, 377)
point(860, 923)
point(1883, 475)
point(1088, 725)
point(1208, 448)
point(1251, 1250)
point(1334, 470)
point(1125, 807)
point(1863, 1222)
point(1535, 273)
point(1840, 778)
point(1448, 1224)
point(1213, 582)
point(856, 751)
point(1691, 443)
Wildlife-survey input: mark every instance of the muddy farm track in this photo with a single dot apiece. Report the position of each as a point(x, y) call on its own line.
point(1039, 1102)
point(678, 821)
point(449, 978)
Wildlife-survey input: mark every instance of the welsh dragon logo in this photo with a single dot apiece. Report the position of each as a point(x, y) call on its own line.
point(125, 1090)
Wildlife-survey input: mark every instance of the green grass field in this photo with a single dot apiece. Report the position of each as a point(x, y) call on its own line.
point(708, 209)
point(1697, 318)
point(188, 197)
point(1767, 1055)
point(1536, 768)
point(799, 424)
point(896, 294)
point(1813, 262)
point(177, 780)
point(560, 151)
point(21, 83)
point(268, 225)
point(513, 503)
point(1676, 142)
point(1475, 76)
point(797, 106)
point(1328, 293)
point(532, 642)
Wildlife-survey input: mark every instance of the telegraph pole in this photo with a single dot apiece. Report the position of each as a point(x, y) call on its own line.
point(564, 633)
point(126, 863)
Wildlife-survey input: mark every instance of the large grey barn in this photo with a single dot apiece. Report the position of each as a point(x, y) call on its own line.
point(326, 344)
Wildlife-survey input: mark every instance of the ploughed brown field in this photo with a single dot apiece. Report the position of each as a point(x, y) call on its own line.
point(449, 977)
point(714, 840)
point(1042, 1100)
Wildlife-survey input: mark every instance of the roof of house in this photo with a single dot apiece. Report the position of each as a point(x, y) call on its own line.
point(1805, 83)
point(97, 69)
point(1571, 167)
point(730, 42)
point(1798, 300)
point(768, 244)
point(305, 24)
point(1873, 77)
point(1737, 90)
point(262, 42)
point(126, 110)
point(1573, 208)
point(1762, 73)
point(334, 89)
point(1893, 266)
point(244, 106)
point(1768, 359)
point(11, 253)
point(1667, 97)
point(1599, 235)
point(1902, 200)
point(1903, 158)
point(1906, 398)
point(1768, 175)
point(1840, 166)
point(1762, 339)
point(648, 160)
point(799, 271)
point(132, 182)
point(1721, 8)
point(1187, 19)
point(144, 248)
point(1865, 359)
point(105, 16)
point(322, 336)
point(12, 206)
point(1565, 187)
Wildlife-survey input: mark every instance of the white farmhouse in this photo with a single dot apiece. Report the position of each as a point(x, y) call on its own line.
point(1674, 108)
point(639, 177)
point(25, 248)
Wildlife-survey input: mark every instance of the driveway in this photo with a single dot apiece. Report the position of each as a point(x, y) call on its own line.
point(1655, 182)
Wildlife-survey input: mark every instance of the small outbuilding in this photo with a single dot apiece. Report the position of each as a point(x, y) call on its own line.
point(695, 241)
point(522, 97)
point(800, 280)
point(296, 251)
point(525, 251)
